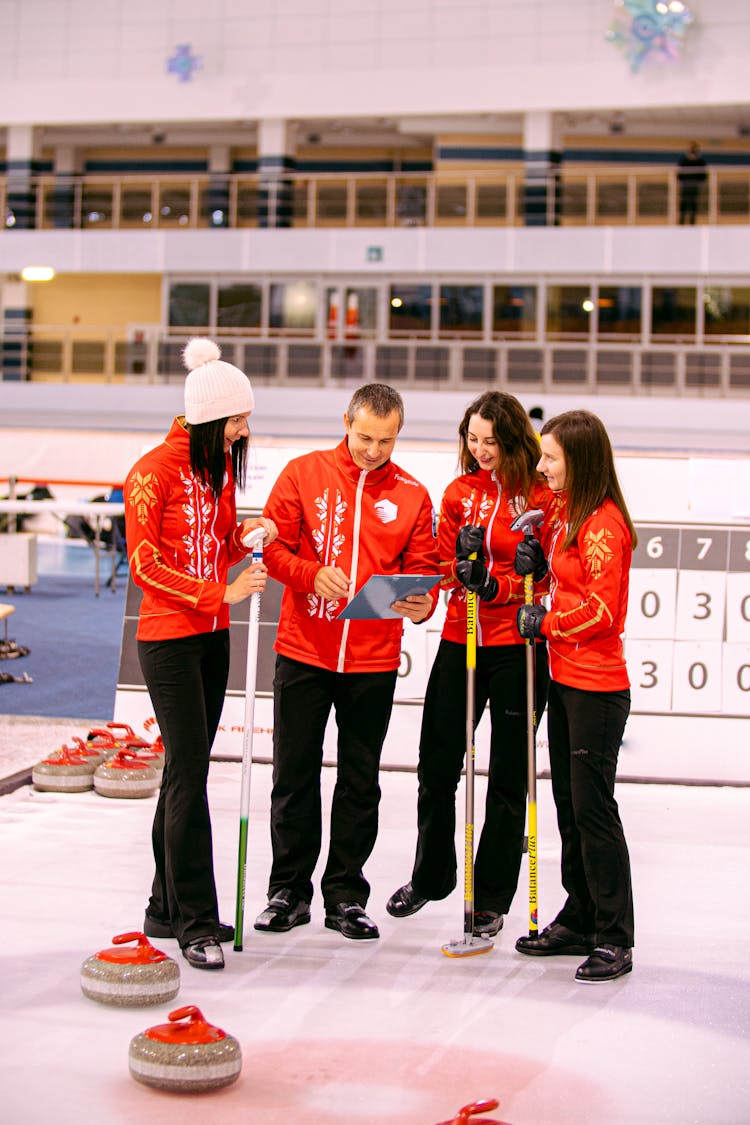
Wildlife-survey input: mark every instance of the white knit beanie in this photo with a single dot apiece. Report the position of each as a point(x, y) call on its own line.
point(213, 389)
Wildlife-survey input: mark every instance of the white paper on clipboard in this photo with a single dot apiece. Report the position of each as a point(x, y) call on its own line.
point(376, 597)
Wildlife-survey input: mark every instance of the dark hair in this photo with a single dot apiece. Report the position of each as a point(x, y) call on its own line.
point(590, 474)
point(516, 440)
point(379, 398)
point(207, 456)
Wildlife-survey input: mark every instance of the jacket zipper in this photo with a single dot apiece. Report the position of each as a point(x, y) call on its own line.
point(355, 562)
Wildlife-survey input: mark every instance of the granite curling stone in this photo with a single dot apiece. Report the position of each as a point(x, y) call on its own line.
point(95, 754)
point(156, 761)
point(64, 771)
point(130, 976)
point(117, 736)
point(125, 775)
point(187, 1055)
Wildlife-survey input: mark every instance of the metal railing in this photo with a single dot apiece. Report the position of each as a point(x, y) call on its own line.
point(443, 198)
point(154, 357)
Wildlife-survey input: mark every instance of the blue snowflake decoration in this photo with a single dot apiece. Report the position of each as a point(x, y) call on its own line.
point(183, 63)
point(649, 29)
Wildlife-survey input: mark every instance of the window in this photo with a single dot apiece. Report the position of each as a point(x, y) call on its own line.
point(569, 309)
point(673, 312)
point(619, 312)
point(238, 306)
point(189, 305)
point(360, 312)
point(461, 309)
point(292, 307)
point(726, 310)
point(514, 310)
point(410, 309)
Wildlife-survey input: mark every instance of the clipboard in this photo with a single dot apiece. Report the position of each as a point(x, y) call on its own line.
point(374, 600)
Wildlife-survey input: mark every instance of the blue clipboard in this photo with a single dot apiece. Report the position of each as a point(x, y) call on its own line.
point(377, 595)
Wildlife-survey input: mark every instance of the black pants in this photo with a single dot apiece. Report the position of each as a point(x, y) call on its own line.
point(688, 203)
point(585, 732)
point(303, 698)
point(186, 679)
point(500, 678)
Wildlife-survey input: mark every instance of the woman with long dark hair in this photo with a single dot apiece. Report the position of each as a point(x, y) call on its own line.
point(498, 451)
point(182, 536)
point(589, 551)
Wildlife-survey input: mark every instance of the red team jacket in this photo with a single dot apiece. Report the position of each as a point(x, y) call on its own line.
point(589, 600)
point(478, 498)
point(181, 543)
point(329, 512)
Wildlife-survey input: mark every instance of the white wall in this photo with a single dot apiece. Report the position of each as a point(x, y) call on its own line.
point(600, 251)
point(104, 60)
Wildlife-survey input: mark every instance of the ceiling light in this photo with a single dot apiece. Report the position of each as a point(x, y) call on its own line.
point(37, 273)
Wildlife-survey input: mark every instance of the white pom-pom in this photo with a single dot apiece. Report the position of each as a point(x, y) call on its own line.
point(198, 351)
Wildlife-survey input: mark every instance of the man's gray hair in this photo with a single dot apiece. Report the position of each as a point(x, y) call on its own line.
point(378, 398)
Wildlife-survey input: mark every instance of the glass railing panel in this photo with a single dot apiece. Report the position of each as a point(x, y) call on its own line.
point(733, 198)
point(97, 205)
point(174, 205)
point(371, 202)
point(451, 204)
point(331, 204)
point(491, 202)
point(652, 200)
point(611, 200)
point(136, 207)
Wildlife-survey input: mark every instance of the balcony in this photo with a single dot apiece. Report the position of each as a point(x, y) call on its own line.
point(618, 197)
point(152, 357)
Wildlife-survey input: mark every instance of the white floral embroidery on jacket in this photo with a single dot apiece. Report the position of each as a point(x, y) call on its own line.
point(329, 540)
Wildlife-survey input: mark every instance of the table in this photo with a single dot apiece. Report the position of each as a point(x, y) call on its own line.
point(95, 511)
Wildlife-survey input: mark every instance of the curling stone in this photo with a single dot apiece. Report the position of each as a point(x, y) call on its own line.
point(188, 1054)
point(116, 736)
point(95, 754)
point(64, 771)
point(466, 1115)
point(103, 742)
point(127, 737)
point(125, 776)
point(130, 977)
point(156, 761)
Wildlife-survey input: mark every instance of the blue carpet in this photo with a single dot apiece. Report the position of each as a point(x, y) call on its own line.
point(73, 637)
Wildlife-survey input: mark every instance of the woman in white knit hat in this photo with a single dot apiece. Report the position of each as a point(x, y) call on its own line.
point(183, 536)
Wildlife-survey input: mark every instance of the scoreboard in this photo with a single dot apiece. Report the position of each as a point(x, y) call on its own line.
point(687, 633)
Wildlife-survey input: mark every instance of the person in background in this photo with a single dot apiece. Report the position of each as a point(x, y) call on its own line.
point(498, 451)
point(182, 536)
point(589, 550)
point(343, 515)
point(536, 415)
point(691, 177)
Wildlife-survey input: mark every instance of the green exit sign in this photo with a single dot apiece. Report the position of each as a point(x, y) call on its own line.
point(374, 254)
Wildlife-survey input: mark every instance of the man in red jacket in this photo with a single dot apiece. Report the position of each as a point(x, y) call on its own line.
point(343, 515)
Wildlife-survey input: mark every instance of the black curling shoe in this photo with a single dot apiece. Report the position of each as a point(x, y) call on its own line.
point(607, 962)
point(554, 940)
point(404, 902)
point(204, 953)
point(487, 923)
point(349, 919)
point(284, 911)
point(152, 927)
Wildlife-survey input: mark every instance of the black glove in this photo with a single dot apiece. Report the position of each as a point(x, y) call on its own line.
point(476, 577)
point(529, 620)
point(530, 559)
point(470, 540)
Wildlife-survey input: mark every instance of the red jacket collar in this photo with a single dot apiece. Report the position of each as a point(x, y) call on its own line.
point(347, 465)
